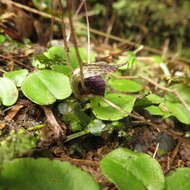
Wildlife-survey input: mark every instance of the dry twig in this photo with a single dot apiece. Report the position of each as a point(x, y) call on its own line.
point(69, 6)
point(63, 26)
point(9, 58)
point(174, 153)
point(11, 114)
point(88, 31)
point(156, 150)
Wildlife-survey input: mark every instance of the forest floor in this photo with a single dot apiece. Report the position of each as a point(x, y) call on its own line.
point(167, 144)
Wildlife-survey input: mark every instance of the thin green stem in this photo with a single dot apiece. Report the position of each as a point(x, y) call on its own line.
point(36, 127)
point(76, 135)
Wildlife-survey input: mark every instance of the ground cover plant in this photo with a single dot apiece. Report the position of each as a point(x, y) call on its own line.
point(86, 116)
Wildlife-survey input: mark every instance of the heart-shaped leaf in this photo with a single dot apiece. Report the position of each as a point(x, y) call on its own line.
point(59, 51)
point(38, 174)
point(62, 69)
point(149, 100)
point(17, 76)
point(180, 179)
point(8, 92)
point(104, 111)
point(45, 86)
point(179, 111)
point(156, 110)
point(125, 85)
point(56, 51)
point(130, 170)
point(154, 99)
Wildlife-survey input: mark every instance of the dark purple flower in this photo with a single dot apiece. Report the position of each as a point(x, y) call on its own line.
point(94, 85)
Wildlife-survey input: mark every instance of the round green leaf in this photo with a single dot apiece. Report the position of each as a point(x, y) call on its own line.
point(96, 127)
point(2, 38)
point(104, 111)
point(154, 99)
point(179, 111)
point(44, 174)
point(56, 51)
point(8, 92)
point(124, 85)
point(180, 179)
point(62, 69)
point(182, 89)
point(17, 76)
point(130, 170)
point(59, 51)
point(45, 86)
point(149, 100)
point(156, 110)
